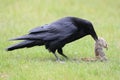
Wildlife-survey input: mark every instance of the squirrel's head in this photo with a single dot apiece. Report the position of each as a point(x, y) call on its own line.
point(102, 43)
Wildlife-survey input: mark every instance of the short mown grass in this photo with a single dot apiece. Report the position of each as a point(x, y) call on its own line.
point(18, 17)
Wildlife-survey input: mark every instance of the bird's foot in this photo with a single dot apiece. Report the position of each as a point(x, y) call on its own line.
point(60, 61)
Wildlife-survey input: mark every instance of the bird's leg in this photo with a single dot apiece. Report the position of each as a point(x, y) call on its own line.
point(57, 59)
point(60, 51)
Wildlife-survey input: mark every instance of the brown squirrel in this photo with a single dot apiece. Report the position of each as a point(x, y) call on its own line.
point(99, 45)
point(99, 53)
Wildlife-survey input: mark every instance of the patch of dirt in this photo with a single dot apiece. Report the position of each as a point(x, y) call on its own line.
point(97, 58)
point(90, 59)
point(4, 76)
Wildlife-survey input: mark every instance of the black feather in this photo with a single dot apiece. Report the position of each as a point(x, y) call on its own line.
point(55, 35)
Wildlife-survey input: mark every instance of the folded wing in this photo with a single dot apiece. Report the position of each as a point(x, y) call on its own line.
point(54, 31)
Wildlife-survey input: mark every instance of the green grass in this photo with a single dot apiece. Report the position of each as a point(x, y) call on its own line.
point(17, 17)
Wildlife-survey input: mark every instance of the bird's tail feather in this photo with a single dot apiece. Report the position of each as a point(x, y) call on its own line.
point(25, 37)
point(28, 37)
point(23, 44)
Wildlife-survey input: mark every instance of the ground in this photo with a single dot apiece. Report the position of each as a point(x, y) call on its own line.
point(18, 17)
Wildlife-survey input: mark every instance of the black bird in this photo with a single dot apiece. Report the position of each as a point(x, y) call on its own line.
point(56, 34)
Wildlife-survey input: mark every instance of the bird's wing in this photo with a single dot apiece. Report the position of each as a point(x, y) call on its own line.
point(50, 32)
point(39, 29)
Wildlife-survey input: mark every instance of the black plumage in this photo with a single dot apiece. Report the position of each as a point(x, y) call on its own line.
point(56, 34)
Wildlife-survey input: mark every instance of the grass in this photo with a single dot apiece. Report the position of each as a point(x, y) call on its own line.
point(18, 17)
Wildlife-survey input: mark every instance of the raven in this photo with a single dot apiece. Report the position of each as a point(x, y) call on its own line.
point(56, 35)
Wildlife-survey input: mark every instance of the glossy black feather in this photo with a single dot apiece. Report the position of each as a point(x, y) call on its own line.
point(56, 34)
